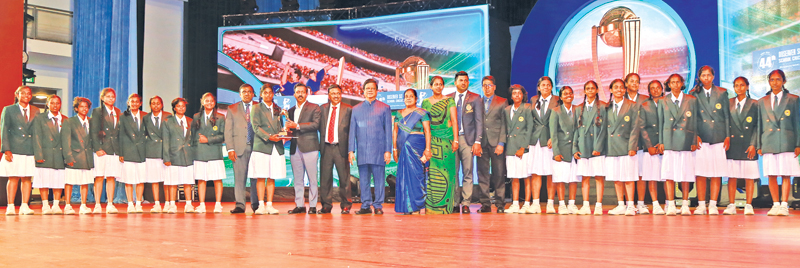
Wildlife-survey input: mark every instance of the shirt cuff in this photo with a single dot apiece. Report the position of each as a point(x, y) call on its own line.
point(477, 142)
point(231, 150)
point(501, 144)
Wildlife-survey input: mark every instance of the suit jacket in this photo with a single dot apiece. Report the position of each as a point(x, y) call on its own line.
point(562, 129)
point(714, 113)
point(77, 144)
point(132, 139)
point(343, 115)
point(177, 146)
point(678, 124)
point(650, 128)
point(494, 123)
point(212, 150)
point(371, 132)
point(16, 132)
point(235, 132)
point(623, 128)
point(744, 129)
point(590, 132)
point(472, 114)
point(110, 142)
point(47, 142)
point(266, 124)
point(541, 129)
point(518, 128)
point(640, 99)
point(154, 143)
point(307, 132)
point(779, 126)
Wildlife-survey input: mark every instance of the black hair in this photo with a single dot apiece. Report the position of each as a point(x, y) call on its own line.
point(461, 73)
point(369, 80)
point(668, 89)
point(47, 106)
point(264, 87)
point(159, 99)
point(213, 117)
point(298, 85)
point(541, 79)
point(490, 78)
point(127, 111)
point(659, 84)
point(560, 92)
point(243, 86)
point(332, 86)
point(437, 77)
point(611, 86)
point(783, 76)
point(77, 102)
point(595, 86)
point(697, 84)
point(746, 82)
point(175, 102)
point(103, 112)
point(628, 77)
point(16, 93)
point(520, 88)
point(412, 91)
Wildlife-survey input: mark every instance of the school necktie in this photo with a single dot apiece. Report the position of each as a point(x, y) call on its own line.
point(331, 125)
point(136, 121)
point(86, 128)
point(249, 125)
point(55, 122)
point(114, 118)
point(158, 123)
point(739, 107)
point(25, 111)
point(775, 103)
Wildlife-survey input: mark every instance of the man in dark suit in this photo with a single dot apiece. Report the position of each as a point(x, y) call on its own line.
point(239, 141)
point(493, 143)
point(304, 124)
point(334, 134)
point(469, 110)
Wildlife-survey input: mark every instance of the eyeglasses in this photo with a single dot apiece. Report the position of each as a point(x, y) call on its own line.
point(488, 86)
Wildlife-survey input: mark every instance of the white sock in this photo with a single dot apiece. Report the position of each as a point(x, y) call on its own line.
point(586, 203)
point(138, 203)
point(219, 204)
point(621, 203)
point(776, 204)
point(598, 204)
point(55, 203)
point(571, 202)
point(203, 203)
point(172, 203)
point(157, 203)
point(515, 203)
point(261, 204)
point(655, 203)
point(550, 201)
point(640, 203)
point(784, 204)
point(130, 203)
point(45, 203)
point(561, 203)
point(630, 203)
point(701, 203)
point(671, 203)
point(527, 203)
point(712, 203)
point(269, 204)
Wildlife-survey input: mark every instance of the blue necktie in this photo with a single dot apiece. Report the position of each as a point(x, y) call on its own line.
point(486, 105)
point(460, 113)
point(249, 125)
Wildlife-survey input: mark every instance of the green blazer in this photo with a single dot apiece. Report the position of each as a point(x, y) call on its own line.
point(640, 99)
point(110, 141)
point(648, 137)
point(132, 138)
point(154, 143)
point(678, 124)
point(623, 128)
point(715, 114)
point(779, 126)
point(177, 146)
point(541, 131)
point(744, 127)
point(77, 144)
point(266, 124)
point(518, 128)
point(47, 142)
point(214, 133)
point(16, 133)
point(562, 131)
point(590, 134)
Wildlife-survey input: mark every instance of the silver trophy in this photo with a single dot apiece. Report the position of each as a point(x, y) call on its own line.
point(620, 27)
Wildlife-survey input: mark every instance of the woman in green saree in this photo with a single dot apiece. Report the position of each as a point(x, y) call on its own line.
point(442, 173)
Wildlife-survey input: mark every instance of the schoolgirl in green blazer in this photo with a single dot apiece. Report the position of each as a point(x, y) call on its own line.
point(209, 127)
point(518, 131)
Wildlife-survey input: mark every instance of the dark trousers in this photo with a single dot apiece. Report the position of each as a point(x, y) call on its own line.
point(496, 179)
point(240, 179)
point(331, 156)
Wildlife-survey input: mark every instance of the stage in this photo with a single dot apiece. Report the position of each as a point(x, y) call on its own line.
point(335, 240)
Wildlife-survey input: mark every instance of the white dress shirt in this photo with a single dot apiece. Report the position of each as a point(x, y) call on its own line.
point(335, 122)
point(50, 117)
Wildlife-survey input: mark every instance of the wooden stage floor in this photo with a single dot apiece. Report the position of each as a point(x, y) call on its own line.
point(335, 240)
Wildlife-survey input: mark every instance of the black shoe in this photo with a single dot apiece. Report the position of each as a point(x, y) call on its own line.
point(501, 210)
point(324, 210)
point(237, 210)
point(378, 211)
point(312, 210)
point(346, 210)
point(297, 210)
point(364, 211)
point(464, 209)
point(408, 213)
point(485, 209)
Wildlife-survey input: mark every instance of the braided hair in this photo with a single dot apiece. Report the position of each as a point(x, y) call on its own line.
point(539, 84)
point(103, 112)
point(746, 82)
point(783, 76)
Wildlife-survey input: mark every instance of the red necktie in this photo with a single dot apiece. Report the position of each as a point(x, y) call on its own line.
point(331, 125)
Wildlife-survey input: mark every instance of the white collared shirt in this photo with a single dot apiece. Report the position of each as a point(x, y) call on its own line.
point(26, 111)
point(182, 121)
point(514, 110)
point(707, 91)
point(112, 113)
point(50, 117)
point(679, 98)
point(463, 97)
point(298, 109)
point(591, 104)
point(634, 98)
point(157, 122)
point(84, 122)
point(617, 105)
point(269, 107)
point(138, 119)
point(335, 122)
point(545, 104)
point(737, 103)
point(207, 116)
point(779, 95)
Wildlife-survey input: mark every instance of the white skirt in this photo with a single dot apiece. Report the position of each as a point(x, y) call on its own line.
point(20, 166)
point(622, 168)
point(180, 175)
point(79, 176)
point(678, 166)
point(107, 166)
point(209, 171)
point(649, 166)
point(272, 166)
point(515, 167)
point(133, 173)
point(156, 170)
point(590, 167)
point(782, 164)
point(49, 178)
point(743, 169)
point(711, 160)
point(564, 172)
point(540, 159)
